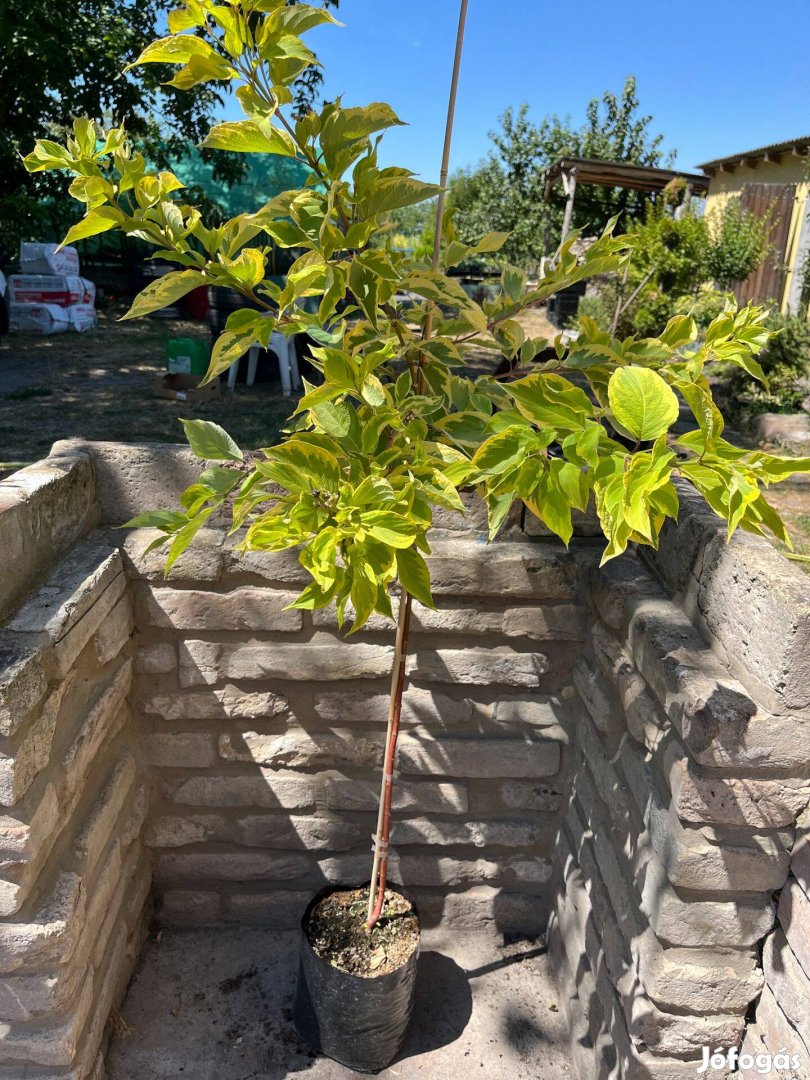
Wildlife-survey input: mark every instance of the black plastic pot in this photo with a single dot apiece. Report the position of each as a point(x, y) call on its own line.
point(359, 1022)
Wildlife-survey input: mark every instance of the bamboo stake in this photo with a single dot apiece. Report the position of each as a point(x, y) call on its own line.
point(379, 869)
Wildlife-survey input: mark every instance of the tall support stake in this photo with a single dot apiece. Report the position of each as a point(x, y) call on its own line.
point(379, 869)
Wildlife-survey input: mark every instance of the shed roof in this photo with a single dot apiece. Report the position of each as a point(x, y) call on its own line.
point(620, 174)
point(774, 152)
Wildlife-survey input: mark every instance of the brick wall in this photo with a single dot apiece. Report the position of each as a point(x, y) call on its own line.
point(74, 870)
point(265, 731)
point(693, 756)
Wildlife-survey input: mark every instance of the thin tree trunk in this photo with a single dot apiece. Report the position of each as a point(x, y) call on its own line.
point(379, 869)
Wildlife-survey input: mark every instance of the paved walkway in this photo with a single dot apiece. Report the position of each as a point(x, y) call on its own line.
point(215, 1005)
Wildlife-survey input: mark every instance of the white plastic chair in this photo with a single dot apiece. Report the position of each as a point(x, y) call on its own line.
point(284, 348)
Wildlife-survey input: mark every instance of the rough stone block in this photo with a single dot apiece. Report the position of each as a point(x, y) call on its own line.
point(530, 795)
point(246, 608)
point(23, 682)
point(471, 757)
point(625, 853)
point(502, 833)
point(416, 870)
point(461, 567)
point(20, 767)
point(49, 937)
point(157, 658)
point(299, 749)
point(105, 715)
point(261, 789)
point(423, 797)
point(72, 605)
point(643, 718)
point(275, 566)
point(279, 910)
point(775, 1034)
point(546, 622)
point(227, 703)
point(189, 907)
point(711, 710)
point(703, 859)
point(598, 697)
point(114, 632)
point(300, 833)
point(702, 798)
point(789, 984)
point(322, 658)
point(501, 665)
point(230, 866)
point(97, 829)
point(618, 585)
point(183, 750)
point(430, 708)
point(44, 509)
point(201, 561)
point(756, 604)
point(483, 907)
point(794, 915)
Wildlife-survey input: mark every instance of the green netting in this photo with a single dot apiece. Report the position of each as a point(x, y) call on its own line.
point(268, 175)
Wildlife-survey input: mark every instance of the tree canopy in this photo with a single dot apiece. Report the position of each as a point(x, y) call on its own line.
point(505, 191)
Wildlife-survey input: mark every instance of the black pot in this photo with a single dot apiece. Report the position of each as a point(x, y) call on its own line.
point(359, 1022)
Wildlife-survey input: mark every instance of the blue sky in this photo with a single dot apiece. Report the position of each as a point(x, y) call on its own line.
point(718, 77)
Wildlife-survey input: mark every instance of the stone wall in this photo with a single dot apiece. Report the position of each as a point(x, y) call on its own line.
point(627, 747)
point(74, 870)
point(693, 755)
point(265, 731)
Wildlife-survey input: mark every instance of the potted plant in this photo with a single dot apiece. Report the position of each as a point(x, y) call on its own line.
point(394, 428)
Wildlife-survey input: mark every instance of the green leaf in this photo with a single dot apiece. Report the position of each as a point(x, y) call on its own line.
point(394, 193)
point(642, 403)
point(414, 576)
point(178, 49)
point(389, 528)
point(184, 536)
point(551, 400)
point(679, 331)
point(249, 137)
point(373, 391)
point(167, 520)
point(164, 291)
point(97, 221)
point(228, 348)
point(302, 467)
point(211, 442)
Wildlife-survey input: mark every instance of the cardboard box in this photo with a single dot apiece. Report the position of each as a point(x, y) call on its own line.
point(82, 317)
point(48, 259)
point(38, 318)
point(46, 289)
point(185, 388)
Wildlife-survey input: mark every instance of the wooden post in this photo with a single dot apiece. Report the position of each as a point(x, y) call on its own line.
point(570, 185)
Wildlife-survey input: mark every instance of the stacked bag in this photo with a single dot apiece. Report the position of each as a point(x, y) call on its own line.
point(49, 296)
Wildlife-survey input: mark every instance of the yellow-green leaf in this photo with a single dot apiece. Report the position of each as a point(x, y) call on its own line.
point(249, 137)
point(164, 291)
point(642, 403)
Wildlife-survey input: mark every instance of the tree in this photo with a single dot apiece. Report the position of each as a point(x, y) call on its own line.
point(43, 45)
point(393, 430)
point(506, 191)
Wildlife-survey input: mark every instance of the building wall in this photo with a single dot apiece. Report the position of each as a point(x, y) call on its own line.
point(790, 170)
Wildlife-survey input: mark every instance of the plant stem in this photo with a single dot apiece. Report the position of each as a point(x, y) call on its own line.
point(379, 869)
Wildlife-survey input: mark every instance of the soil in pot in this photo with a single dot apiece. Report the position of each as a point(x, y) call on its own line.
point(336, 930)
point(355, 986)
